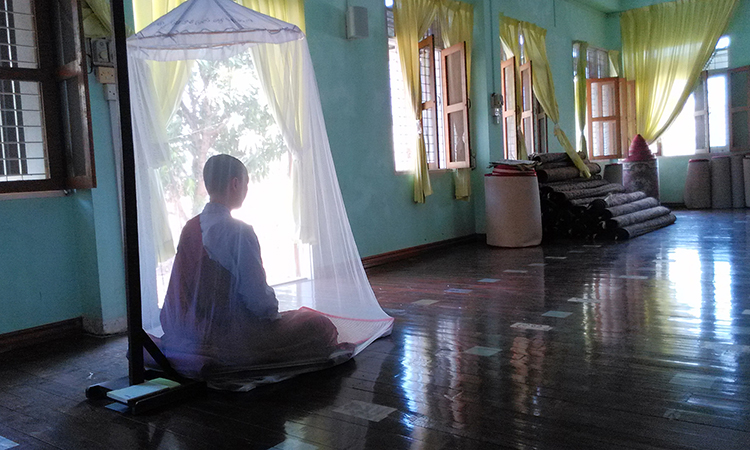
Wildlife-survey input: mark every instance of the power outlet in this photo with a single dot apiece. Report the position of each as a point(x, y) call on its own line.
point(110, 92)
point(105, 75)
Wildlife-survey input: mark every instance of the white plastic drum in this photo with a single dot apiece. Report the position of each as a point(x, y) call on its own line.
point(514, 215)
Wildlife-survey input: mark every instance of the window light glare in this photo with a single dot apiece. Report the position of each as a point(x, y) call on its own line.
point(722, 43)
point(389, 3)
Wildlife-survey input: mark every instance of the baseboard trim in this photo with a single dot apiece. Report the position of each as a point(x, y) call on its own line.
point(40, 334)
point(405, 253)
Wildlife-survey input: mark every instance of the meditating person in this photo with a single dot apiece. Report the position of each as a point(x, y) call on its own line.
point(219, 315)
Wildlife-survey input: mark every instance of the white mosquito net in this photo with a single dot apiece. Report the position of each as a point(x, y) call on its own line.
point(242, 83)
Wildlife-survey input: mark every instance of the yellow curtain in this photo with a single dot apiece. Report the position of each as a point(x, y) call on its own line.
point(411, 19)
point(580, 94)
point(544, 87)
point(457, 25)
point(664, 49)
point(97, 22)
point(509, 34)
point(615, 63)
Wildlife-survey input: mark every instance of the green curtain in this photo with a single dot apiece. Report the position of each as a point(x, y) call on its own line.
point(456, 21)
point(535, 45)
point(664, 49)
point(509, 34)
point(580, 94)
point(411, 20)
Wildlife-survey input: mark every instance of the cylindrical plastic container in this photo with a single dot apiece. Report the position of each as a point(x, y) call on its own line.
point(641, 176)
point(721, 182)
point(613, 173)
point(698, 184)
point(738, 182)
point(514, 214)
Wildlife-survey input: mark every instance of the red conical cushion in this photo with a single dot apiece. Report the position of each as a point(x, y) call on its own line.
point(639, 150)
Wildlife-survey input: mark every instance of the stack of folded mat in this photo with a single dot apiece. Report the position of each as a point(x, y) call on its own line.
point(592, 208)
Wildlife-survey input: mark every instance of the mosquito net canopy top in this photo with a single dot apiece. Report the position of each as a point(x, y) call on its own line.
point(210, 77)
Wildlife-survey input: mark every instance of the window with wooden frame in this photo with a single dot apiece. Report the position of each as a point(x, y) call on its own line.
point(533, 125)
point(610, 117)
point(444, 125)
point(455, 107)
point(45, 126)
point(508, 81)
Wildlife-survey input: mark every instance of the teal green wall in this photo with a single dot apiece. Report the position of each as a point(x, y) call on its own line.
point(355, 94)
point(39, 262)
point(61, 257)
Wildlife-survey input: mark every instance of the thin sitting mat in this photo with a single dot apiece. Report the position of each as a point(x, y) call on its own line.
point(424, 302)
point(457, 291)
point(556, 257)
point(515, 271)
point(694, 380)
point(633, 277)
point(7, 443)
point(537, 264)
point(295, 444)
point(746, 312)
point(482, 351)
point(364, 410)
point(531, 326)
point(557, 314)
point(488, 280)
point(584, 300)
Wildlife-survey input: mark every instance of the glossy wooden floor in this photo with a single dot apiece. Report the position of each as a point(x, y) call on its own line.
point(653, 353)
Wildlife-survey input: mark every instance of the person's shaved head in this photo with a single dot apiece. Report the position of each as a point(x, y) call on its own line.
point(219, 172)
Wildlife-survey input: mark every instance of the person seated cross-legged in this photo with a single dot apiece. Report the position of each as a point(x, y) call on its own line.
point(220, 316)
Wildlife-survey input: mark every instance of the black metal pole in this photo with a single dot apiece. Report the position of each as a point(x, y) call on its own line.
point(132, 263)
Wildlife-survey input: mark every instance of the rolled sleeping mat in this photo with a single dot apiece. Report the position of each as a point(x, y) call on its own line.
point(613, 173)
point(574, 185)
point(586, 202)
point(635, 217)
point(565, 173)
point(628, 208)
point(698, 184)
point(555, 157)
point(638, 229)
point(721, 182)
point(746, 173)
point(593, 192)
point(738, 181)
point(616, 200)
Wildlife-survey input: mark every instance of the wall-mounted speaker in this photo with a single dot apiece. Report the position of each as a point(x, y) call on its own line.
point(356, 22)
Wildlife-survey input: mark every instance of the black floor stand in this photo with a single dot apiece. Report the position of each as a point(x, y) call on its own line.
point(138, 339)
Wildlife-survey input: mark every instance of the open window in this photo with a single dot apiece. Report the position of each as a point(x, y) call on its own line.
point(45, 126)
point(455, 107)
point(610, 117)
point(533, 119)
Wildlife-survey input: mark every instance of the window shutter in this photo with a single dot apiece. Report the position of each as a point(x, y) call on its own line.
point(739, 108)
point(508, 82)
point(528, 118)
point(74, 98)
point(429, 102)
point(700, 94)
point(455, 106)
point(603, 118)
